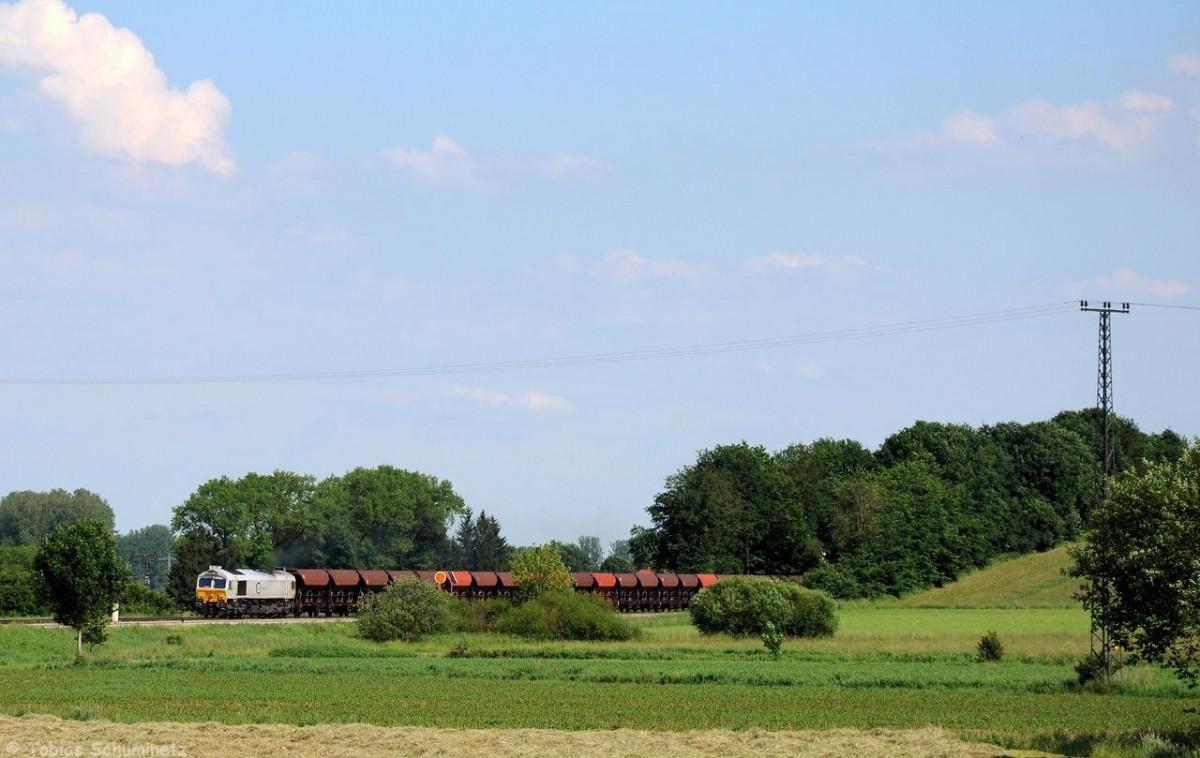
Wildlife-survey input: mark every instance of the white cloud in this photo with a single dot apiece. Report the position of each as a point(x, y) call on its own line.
point(778, 260)
point(1124, 123)
point(533, 400)
point(448, 163)
point(1182, 63)
point(968, 126)
point(445, 162)
point(109, 85)
point(628, 266)
point(806, 371)
point(1127, 282)
point(563, 167)
point(787, 260)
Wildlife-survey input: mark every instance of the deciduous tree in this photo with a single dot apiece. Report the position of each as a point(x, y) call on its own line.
point(26, 517)
point(1141, 557)
point(540, 570)
point(83, 575)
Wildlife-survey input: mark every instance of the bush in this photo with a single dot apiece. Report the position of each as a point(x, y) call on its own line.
point(139, 600)
point(406, 610)
point(469, 616)
point(540, 570)
point(813, 613)
point(740, 606)
point(772, 640)
point(835, 581)
point(744, 606)
point(989, 649)
point(1090, 671)
point(566, 616)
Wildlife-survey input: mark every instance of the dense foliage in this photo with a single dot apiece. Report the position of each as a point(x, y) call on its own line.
point(82, 575)
point(933, 501)
point(406, 610)
point(540, 570)
point(565, 615)
point(735, 512)
point(752, 607)
point(26, 517)
point(20, 593)
point(383, 517)
point(1142, 559)
point(147, 551)
point(478, 545)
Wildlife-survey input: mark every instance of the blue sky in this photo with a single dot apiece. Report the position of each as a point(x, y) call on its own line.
point(214, 216)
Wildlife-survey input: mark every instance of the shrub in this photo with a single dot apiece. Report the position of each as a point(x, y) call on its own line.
point(406, 610)
point(989, 648)
point(744, 606)
point(835, 581)
point(1090, 671)
point(540, 570)
point(566, 616)
point(469, 616)
point(813, 613)
point(139, 600)
point(772, 640)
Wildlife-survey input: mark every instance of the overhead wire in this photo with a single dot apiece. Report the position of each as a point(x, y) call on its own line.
point(841, 335)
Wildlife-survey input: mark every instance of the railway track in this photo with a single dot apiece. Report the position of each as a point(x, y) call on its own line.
point(184, 620)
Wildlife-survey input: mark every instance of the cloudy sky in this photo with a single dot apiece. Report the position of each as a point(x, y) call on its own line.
point(550, 251)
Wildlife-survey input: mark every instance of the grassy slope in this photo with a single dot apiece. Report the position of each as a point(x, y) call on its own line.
point(1030, 581)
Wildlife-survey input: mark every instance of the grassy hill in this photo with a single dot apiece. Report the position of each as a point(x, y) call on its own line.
point(1030, 581)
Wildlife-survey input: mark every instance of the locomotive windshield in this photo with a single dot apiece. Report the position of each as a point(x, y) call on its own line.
point(214, 582)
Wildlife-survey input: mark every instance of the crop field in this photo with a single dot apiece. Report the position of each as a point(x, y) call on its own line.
point(888, 668)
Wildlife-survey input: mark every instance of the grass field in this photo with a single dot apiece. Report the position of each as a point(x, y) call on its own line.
point(899, 678)
point(889, 667)
point(1029, 581)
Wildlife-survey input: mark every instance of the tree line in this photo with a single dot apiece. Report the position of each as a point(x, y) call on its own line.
point(933, 501)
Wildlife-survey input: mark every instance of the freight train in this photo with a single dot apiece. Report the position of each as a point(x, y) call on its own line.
point(234, 593)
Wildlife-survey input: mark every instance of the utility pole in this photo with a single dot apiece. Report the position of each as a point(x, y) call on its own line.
point(1101, 645)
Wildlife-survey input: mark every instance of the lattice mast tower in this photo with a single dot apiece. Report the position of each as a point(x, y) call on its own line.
point(1101, 645)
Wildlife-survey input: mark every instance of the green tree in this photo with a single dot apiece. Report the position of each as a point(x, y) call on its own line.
point(592, 550)
point(747, 606)
point(82, 574)
point(1050, 462)
point(407, 610)
point(477, 544)
point(540, 570)
point(617, 564)
point(491, 549)
point(735, 511)
point(20, 592)
point(574, 557)
point(147, 552)
point(620, 549)
point(462, 549)
point(1142, 563)
point(386, 517)
point(818, 471)
point(26, 517)
point(902, 528)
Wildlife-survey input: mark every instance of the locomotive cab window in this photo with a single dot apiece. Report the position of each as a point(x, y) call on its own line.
point(206, 581)
point(241, 588)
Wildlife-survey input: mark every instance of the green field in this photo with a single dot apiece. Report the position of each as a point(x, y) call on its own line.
point(1029, 581)
point(905, 664)
point(888, 667)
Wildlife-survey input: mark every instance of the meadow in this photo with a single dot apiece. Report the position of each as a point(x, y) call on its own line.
point(896, 665)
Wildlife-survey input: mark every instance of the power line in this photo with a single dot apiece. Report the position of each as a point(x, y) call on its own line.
point(843, 335)
point(1162, 305)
